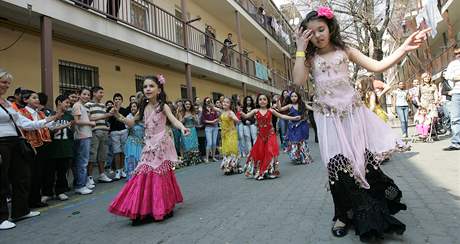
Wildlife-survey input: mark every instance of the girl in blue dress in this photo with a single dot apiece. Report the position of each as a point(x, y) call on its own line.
point(190, 146)
point(298, 131)
point(135, 141)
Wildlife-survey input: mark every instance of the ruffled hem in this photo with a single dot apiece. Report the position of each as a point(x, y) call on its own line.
point(230, 165)
point(369, 210)
point(192, 158)
point(252, 169)
point(299, 152)
point(148, 193)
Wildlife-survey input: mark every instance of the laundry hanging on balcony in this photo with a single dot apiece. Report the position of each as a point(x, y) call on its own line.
point(261, 71)
point(429, 16)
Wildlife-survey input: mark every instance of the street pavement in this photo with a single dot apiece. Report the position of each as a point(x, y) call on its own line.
point(296, 208)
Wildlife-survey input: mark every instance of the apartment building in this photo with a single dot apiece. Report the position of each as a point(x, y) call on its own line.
point(60, 45)
point(437, 52)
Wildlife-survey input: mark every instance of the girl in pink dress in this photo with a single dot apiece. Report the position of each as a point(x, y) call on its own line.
point(153, 191)
point(352, 139)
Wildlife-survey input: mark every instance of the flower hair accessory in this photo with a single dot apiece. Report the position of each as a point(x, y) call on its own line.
point(325, 12)
point(161, 79)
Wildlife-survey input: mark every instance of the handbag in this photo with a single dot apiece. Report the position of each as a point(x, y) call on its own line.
point(25, 148)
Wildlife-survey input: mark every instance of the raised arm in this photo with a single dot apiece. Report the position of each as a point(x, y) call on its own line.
point(301, 70)
point(413, 42)
point(282, 116)
point(233, 116)
point(285, 108)
point(250, 114)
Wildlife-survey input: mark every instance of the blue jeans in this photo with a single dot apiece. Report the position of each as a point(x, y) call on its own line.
point(211, 136)
point(283, 124)
point(454, 111)
point(403, 115)
point(250, 135)
point(241, 144)
point(81, 158)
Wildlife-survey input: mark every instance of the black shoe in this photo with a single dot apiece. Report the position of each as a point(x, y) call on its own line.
point(451, 148)
point(339, 231)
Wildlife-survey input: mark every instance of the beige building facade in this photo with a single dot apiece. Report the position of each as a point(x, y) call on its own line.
point(60, 45)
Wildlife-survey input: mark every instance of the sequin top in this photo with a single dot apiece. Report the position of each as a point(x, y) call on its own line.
point(335, 93)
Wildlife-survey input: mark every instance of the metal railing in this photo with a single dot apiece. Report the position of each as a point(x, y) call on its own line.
point(264, 20)
point(147, 17)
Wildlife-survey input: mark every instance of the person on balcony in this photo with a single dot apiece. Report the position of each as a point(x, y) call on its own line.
point(209, 41)
point(453, 75)
point(227, 50)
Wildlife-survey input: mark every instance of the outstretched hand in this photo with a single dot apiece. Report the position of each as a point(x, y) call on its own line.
point(415, 40)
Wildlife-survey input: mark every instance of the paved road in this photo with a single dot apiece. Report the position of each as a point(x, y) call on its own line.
point(295, 208)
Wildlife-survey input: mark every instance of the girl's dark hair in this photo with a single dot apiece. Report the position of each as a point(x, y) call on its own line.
point(302, 108)
point(161, 97)
point(204, 106)
point(334, 31)
point(25, 94)
point(192, 107)
point(257, 100)
point(43, 98)
point(245, 104)
point(284, 100)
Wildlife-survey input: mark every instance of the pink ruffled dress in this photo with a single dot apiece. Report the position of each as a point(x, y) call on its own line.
point(153, 189)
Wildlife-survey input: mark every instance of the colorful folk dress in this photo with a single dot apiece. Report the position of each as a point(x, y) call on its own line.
point(297, 139)
point(133, 148)
point(230, 164)
point(262, 159)
point(153, 190)
point(190, 142)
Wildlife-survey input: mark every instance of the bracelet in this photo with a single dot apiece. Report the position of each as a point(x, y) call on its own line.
point(300, 54)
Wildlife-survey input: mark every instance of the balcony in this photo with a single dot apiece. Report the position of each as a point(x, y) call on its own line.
point(282, 33)
point(152, 20)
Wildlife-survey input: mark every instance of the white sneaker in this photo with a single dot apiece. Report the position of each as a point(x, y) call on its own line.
point(83, 191)
point(45, 199)
point(123, 174)
point(117, 175)
point(90, 181)
point(6, 225)
point(31, 214)
point(104, 179)
point(89, 186)
point(62, 197)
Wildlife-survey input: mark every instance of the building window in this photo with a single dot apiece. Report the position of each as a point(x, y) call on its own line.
point(183, 92)
point(139, 79)
point(73, 76)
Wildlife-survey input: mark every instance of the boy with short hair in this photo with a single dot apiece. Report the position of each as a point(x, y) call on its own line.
point(118, 135)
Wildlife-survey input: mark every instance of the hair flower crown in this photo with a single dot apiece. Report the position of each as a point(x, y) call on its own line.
point(161, 79)
point(325, 12)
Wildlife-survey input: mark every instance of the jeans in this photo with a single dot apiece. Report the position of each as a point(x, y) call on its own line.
point(211, 136)
point(403, 115)
point(283, 124)
point(241, 143)
point(454, 111)
point(81, 158)
point(250, 135)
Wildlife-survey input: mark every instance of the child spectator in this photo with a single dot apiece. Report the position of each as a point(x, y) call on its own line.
point(422, 123)
point(118, 137)
point(60, 153)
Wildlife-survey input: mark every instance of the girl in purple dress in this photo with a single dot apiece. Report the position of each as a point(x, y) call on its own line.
point(297, 131)
point(153, 191)
point(352, 139)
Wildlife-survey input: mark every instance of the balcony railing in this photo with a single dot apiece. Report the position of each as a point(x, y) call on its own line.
point(147, 17)
point(282, 34)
